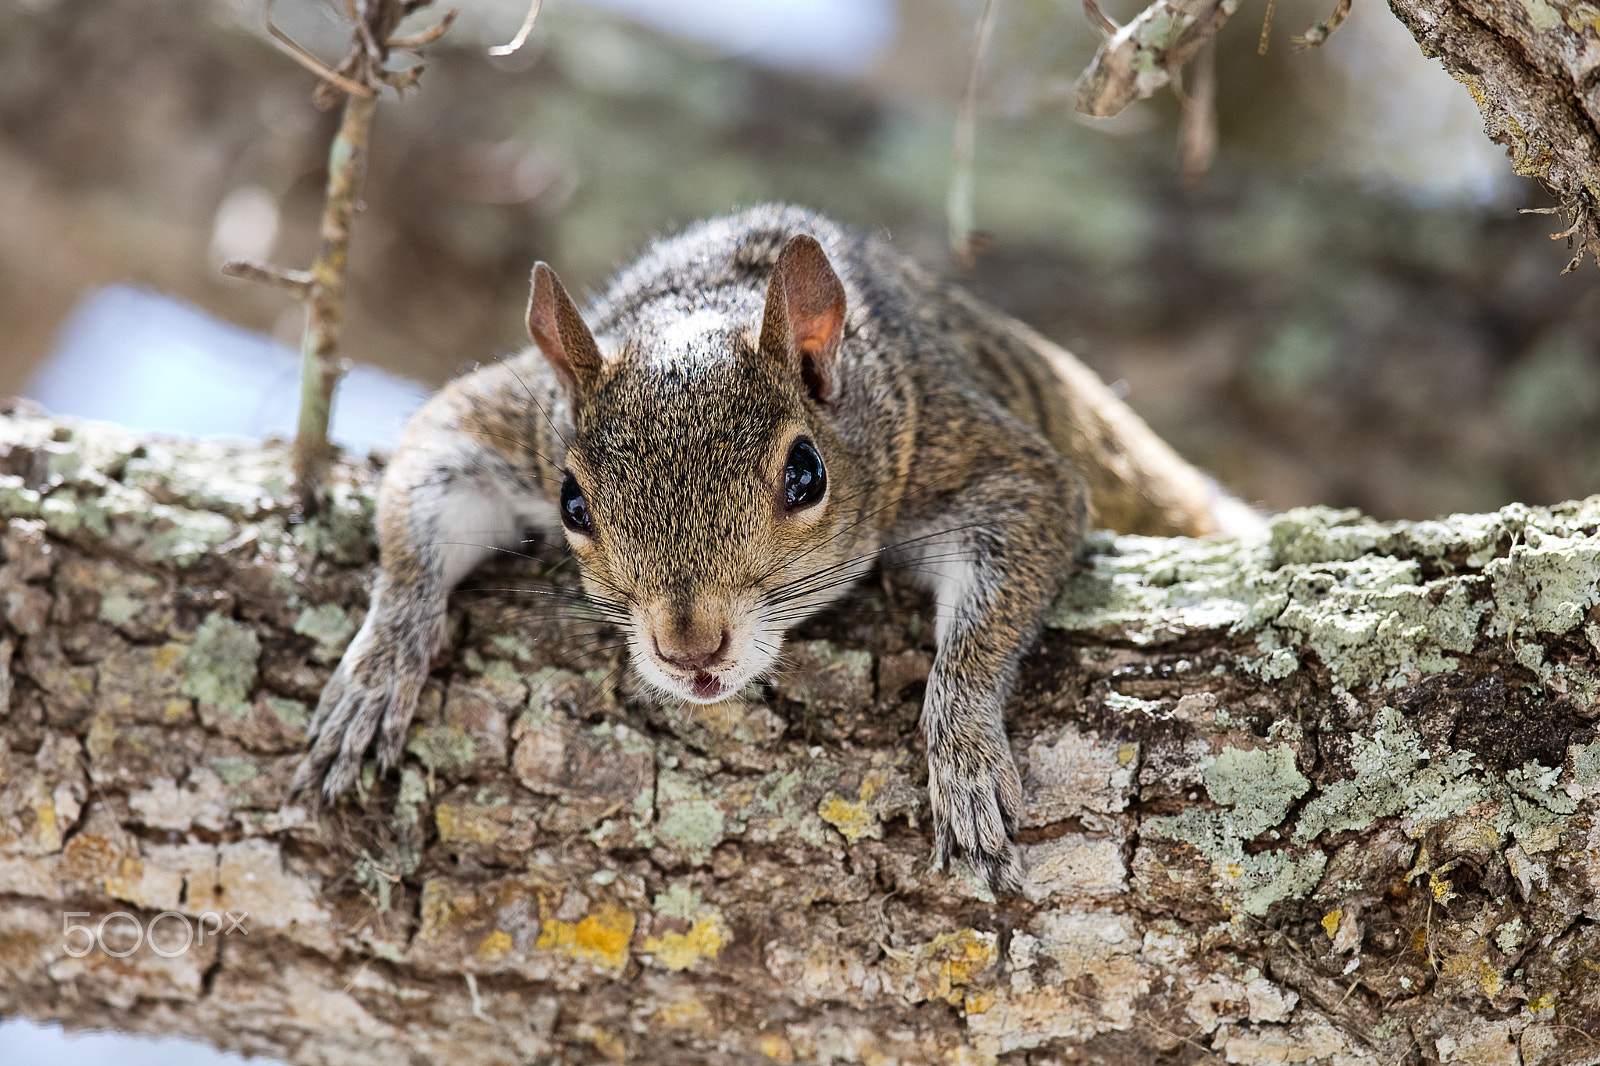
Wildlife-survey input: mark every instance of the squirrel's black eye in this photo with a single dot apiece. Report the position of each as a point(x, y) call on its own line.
point(574, 508)
point(804, 480)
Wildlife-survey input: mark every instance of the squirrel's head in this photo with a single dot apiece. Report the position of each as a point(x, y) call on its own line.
point(707, 498)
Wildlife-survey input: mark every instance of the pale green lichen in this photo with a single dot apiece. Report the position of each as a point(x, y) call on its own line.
point(1355, 592)
point(342, 531)
point(211, 476)
point(1586, 766)
point(118, 605)
point(294, 715)
point(678, 901)
point(442, 747)
point(1510, 937)
point(1396, 777)
point(512, 647)
point(234, 770)
point(688, 821)
point(1541, 15)
point(156, 533)
point(330, 626)
point(1256, 789)
point(220, 666)
point(16, 499)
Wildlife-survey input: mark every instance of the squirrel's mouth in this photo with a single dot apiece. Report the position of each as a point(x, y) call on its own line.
point(707, 688)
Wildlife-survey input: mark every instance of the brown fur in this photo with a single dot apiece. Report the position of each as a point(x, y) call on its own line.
point(955, 441)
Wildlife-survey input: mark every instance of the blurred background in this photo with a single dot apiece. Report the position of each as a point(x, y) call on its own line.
point(1347, 309)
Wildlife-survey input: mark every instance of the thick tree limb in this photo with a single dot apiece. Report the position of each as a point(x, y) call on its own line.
point(1331, 798)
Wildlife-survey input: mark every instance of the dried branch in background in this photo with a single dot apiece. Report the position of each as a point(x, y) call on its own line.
point(1530, 69)
point(1143, 56)
point(357, 79)
point(1316, 35)
point(522, 33)
point(1197, 122)
point(958, 199)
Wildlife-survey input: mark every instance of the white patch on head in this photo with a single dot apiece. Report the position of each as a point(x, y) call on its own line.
point(691, 338)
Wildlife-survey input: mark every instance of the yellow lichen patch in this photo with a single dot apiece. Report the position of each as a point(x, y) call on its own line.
point(1126, 753)
point(1330, 923)
point(679, 951)
point(611, 1047)
point(1443, 890)
point(953, 961)
point(776, 1048)
point(853, 818)
point(121, 884)
point(962, 1055)
point(176, 709)
point(979, 1002)
point(1544, 838)
point(685, 1014)
point(49, 827)
point(1473, 968)
point(602, 936)
point(464, 825)
point(495, 946)
point(848, 817)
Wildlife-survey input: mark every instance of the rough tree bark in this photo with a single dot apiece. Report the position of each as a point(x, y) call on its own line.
point(1533, 69)
point(1331, 798)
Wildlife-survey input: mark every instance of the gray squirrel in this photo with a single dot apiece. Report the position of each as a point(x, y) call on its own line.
point(755, 413)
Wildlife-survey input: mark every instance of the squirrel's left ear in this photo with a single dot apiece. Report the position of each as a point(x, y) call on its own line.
point(558, 329)
point(804, 317)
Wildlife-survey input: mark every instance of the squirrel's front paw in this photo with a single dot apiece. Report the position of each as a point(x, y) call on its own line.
point(372, 694)
point(977, 797)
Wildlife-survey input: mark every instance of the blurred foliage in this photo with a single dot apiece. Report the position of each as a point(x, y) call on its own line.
point(1312, 322)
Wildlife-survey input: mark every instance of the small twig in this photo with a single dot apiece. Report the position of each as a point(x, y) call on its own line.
point(1266, 28)
point(1316, 35)
point(322, 287)
point(522, 35)
point(292, 48)
point(347, 164)
point(959, 211)
point(477, 1003)
point(428, 36)
point(1197, 122)
point(1579, 219)
point(1100, 18)
point(1143, 55)
point(297, 282)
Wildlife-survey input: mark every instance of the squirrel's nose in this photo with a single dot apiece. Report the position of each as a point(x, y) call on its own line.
point(693, 650)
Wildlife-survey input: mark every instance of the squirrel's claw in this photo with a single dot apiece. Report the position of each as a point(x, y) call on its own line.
point(974, 820)
point(371, 697)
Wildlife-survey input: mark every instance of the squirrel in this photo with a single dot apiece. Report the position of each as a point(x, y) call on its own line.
point(754, 414)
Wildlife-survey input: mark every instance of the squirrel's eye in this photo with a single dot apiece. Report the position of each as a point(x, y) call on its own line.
point(804, 480)
point(574, 508)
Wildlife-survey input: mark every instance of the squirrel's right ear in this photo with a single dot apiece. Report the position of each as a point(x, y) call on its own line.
point(804, 316)
point(560, 332)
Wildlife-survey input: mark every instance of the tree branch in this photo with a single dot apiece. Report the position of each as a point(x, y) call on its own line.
point(1533, 70)
point(1329, 798)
